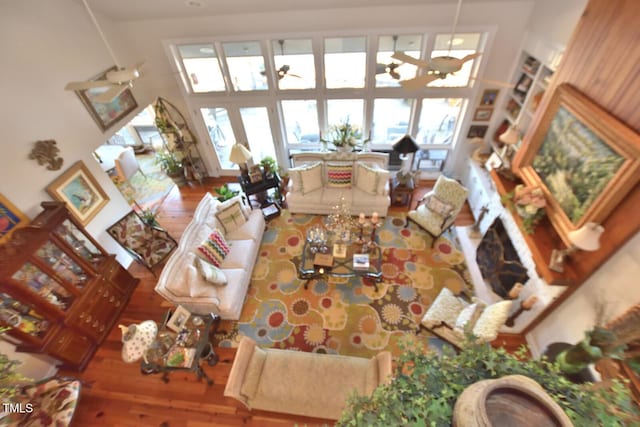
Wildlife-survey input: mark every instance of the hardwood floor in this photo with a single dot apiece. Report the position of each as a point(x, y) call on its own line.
point(117, 394)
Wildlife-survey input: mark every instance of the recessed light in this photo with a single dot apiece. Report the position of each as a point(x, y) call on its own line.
point(457, 41)
point(206, 50)
point(194, 3)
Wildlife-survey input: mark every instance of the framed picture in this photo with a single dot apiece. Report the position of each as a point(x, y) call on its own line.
point(493, 162)
point(477, 131)
point(255, 174)
point(489, 97)
point(583, 158)
point(482, 114)
point(10, 218)
point(106, 114)
point(178, 319)
point(80, 191)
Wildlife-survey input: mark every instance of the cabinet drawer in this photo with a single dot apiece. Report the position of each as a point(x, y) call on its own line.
point(120, 277)
point(70, 347)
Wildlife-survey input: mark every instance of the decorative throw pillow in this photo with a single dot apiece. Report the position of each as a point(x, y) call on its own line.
point(491, 319)
point(246, 209)
point(436, 205)
point(210, 272)
point(306, 178)
point(445, 309)
point(468, 318)
point(232, 217)
point(339, 175)
point(214, 249)
point(371, 180)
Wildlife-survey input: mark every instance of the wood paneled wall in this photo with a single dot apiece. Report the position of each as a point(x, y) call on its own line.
point(602, 60)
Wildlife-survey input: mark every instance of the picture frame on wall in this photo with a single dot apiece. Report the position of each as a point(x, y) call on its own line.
point(477, 131)
point(106, 114)
point(482, 114)
point(80, 191)
point(11, 218)
point(586, 176)
point(489, 96)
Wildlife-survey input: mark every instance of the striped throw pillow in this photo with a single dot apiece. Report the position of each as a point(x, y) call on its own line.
point(339, 175)
point(214, 249)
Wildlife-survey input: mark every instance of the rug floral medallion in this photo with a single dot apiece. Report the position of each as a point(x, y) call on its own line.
point(345, 315)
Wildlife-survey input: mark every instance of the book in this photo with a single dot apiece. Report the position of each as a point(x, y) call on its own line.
point(180, 357)
point(360, 261)
point(339, 250)
point(323, 260)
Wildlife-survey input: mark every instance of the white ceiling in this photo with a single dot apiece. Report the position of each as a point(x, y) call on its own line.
point(134, 10)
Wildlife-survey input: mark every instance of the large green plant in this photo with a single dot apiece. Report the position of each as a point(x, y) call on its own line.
point(426, 386)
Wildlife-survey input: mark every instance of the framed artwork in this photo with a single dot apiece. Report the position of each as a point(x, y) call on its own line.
point(482, 114)
point(489, 97)
point(583, 158)
point(255, 174)
point(178, 319)
point(10, 218)
point(106, 114)
point(80, 191)
point(477, 131)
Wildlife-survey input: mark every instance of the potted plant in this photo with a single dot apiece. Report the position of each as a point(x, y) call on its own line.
point(171, 165)
point(224, 193)
point(10, 379)
point(426, 386)
point(345, 136)
point(269, 165)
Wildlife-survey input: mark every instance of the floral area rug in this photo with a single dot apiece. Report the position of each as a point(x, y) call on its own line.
point(344, 316)
point(149, 192)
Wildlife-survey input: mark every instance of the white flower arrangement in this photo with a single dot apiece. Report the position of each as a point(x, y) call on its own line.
point(344, 135)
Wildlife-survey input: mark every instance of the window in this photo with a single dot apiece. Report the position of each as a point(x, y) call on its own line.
point(258, 130)
point(438, 119)
point(295, 68)
point(202, 67)
point(390, 119)
point(246, 66)
point(345, 62)
point(343, 110)
point(461, 46)
point(301, 121)
point(389, 71)
point(220, 133)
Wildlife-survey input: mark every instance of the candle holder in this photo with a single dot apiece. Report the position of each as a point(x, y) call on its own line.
point(372, 244)
point(361, 222)
point(524, 306)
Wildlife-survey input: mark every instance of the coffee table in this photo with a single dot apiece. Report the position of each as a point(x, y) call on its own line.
point(340, 267)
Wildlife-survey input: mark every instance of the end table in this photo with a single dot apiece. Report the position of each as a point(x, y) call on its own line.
point(401, 192)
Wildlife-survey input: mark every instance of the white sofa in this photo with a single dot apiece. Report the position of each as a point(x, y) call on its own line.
point(180, 282)
point(324, 199)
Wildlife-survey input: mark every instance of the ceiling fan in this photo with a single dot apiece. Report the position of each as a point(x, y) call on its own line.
point(283, 71)
point(436, 68)
point(115, 81)
point(390, 68)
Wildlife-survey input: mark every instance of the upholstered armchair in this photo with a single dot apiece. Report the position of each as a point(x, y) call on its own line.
point(438, 209)
point(148, 244)
point(450, 317)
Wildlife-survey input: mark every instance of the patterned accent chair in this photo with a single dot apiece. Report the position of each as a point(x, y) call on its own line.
point(53, 401)
point(438, 209)
point(148, 244)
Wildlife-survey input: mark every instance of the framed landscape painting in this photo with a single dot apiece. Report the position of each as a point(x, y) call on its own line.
point(10, 218)
point(106, 114)
point(80, 191)
point(583, 158)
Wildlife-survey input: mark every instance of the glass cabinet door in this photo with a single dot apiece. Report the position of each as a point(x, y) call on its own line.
point(22, 317)
point(80, 243)
point(62, 264)
point(39, 282)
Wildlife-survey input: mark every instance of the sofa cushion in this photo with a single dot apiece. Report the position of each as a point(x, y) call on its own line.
point(239, 252)
point(468, 318)
point(252, 229)
point(491, 319)
point(197, 286)
point(339, 174)
point(371, 380)
point(307, 178)
point(210, 272)
point(214, 248)
point(371, 180)
point(442, 208)
point(246, 210)
point(254, 373)
point(231, 216)
point(445, 309)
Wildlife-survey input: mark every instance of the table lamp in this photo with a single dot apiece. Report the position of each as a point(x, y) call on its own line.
point(137, 339)
point(240, 156)
point(405, 145)
point(586, 238)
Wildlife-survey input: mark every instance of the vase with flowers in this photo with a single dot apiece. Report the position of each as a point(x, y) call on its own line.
point(529, 203)
point(345, 136)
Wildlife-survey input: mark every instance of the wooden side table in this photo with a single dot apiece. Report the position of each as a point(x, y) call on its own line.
point(401, 193)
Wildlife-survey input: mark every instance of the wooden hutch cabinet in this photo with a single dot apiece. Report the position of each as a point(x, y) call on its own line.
point(60, 292)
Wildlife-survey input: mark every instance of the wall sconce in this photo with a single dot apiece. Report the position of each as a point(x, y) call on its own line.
point(586, 238)
point(240, 156)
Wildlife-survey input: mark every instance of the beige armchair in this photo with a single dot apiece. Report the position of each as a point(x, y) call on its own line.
point(438, 209)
